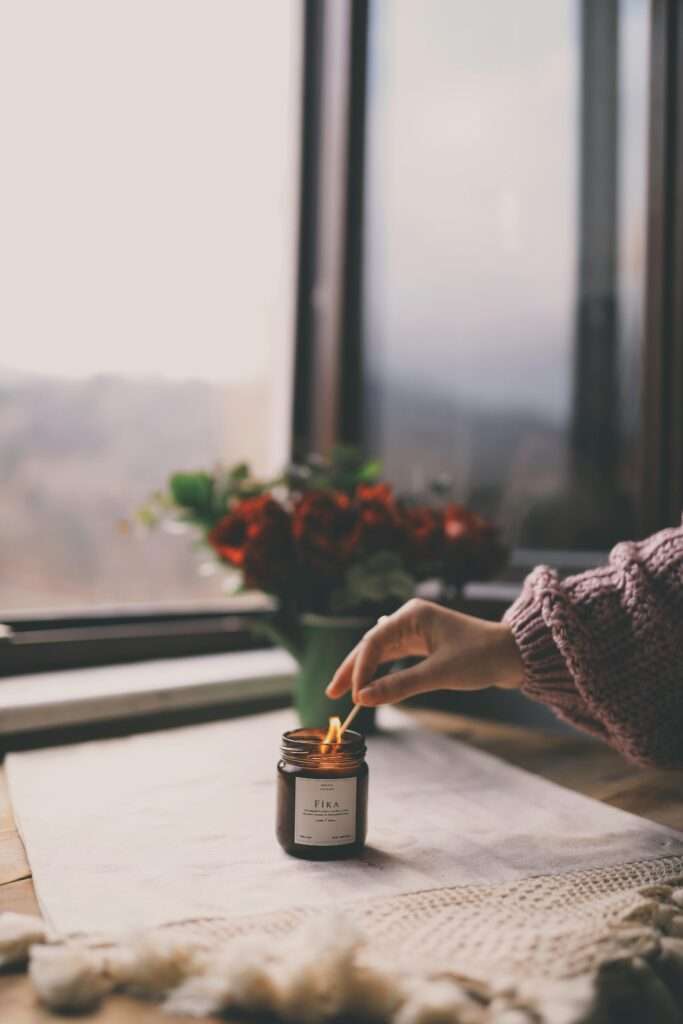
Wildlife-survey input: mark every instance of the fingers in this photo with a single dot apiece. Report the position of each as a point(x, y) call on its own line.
point(341, 681)
point(398, 636)
point(396, 687)
point(395, 636)
point(434, 673)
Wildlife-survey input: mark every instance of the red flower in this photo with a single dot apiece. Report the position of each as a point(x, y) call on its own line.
point(381, 493)
point(323, 529)
point(256, 538)
point(473, 549)
point(378, 523)
point(423, 530)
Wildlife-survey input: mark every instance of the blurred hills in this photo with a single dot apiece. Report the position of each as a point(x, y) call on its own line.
point(79, 456)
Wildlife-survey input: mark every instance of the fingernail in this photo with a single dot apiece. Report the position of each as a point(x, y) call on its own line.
point(328, 690)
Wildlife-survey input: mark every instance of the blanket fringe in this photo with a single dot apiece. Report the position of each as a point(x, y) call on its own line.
point(317, 973)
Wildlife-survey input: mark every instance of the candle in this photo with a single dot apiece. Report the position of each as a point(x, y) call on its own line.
point(322, 796)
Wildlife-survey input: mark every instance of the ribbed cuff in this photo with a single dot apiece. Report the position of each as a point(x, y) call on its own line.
point(546, 676)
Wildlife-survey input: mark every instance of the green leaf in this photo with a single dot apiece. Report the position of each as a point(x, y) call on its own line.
point(193, 491)
point(156, 509)
point(370, 472)
point(148, 516)
point(345, 455)
point(442, 487)
point(240, 472)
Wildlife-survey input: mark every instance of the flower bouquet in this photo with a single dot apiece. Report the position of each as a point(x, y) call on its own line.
point(334, 546)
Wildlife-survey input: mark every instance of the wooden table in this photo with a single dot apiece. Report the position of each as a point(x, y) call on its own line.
point(573, 761)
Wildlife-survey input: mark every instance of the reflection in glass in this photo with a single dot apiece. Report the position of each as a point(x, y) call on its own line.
point(503, 298)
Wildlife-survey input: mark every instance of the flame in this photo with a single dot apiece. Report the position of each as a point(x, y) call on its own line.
point(333, 734)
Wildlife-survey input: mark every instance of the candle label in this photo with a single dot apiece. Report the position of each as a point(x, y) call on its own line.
point(325, 812)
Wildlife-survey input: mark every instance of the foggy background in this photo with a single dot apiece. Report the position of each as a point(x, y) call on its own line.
point(148, 216)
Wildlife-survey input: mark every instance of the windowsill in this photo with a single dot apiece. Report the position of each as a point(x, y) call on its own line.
point(49, 700)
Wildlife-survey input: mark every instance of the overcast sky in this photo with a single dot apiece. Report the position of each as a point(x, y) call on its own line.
point(148, 185)
point(473, 155)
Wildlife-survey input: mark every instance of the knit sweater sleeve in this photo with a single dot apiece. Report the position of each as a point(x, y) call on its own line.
point(604, 649)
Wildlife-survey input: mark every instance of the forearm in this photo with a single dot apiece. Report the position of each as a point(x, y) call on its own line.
point(603, 649)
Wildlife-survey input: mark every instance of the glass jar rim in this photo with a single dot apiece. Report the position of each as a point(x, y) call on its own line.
point(307, 745)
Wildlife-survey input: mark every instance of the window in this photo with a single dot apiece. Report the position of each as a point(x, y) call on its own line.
point(505, 247)
point(147, 254)
point(467, 261)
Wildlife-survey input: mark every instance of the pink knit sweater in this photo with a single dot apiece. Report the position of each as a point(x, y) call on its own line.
point(605, 649)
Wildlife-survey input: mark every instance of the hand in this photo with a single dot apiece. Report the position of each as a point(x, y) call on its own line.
point(460, 653)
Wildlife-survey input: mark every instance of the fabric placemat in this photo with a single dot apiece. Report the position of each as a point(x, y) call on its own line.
point(175, 826)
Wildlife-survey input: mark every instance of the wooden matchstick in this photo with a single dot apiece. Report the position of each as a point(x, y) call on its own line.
point(349, 718)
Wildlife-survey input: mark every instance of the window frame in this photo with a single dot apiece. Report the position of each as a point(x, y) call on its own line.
point(328, 345)
point(329, 408)
point(661, 455)
point(86, 638)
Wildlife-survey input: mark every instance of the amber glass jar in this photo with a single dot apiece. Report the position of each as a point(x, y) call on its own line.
point(322, 798)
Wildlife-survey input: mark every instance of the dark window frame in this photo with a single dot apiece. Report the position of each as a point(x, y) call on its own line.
point(328, 403)
point(661, 462)
point(328, 342)
point(47, 643)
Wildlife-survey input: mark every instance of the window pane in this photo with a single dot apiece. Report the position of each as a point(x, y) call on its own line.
point(147, 247)
point(504, 257)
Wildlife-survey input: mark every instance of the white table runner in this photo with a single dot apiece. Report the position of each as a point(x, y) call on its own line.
point(178, 825)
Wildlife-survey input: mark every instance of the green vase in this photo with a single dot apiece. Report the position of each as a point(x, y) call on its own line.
point(324, 642)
